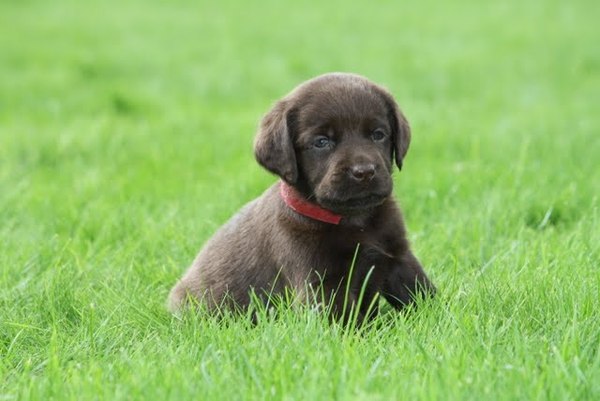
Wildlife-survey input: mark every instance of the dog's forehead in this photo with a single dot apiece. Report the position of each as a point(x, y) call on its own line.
point(339, 102)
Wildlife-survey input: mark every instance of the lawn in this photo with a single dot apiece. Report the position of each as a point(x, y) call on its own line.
point(126, 139)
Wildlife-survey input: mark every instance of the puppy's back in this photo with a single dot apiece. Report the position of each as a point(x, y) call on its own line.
point(236, 258)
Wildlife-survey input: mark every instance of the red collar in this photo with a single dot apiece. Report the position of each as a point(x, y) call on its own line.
point(296, 202)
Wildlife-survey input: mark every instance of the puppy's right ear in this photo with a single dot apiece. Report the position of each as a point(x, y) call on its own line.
point(273, 146)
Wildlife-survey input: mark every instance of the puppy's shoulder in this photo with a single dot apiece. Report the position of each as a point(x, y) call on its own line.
point(387, 228)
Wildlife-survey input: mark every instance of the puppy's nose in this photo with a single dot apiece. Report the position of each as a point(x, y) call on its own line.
point(362, 172)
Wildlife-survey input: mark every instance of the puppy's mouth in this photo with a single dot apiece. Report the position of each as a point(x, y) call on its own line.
point(352, 204)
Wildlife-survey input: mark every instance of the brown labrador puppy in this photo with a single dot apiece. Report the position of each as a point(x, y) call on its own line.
point(332, 141)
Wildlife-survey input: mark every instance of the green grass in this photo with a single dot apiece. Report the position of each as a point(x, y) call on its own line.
point(126, 140)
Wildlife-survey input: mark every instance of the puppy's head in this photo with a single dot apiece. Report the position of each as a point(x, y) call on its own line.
point(335, 139)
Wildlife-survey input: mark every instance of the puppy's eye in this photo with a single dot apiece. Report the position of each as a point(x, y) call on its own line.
point(322, 142)
point(378, 135)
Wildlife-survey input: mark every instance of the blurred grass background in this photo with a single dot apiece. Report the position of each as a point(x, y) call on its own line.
point(126, 139)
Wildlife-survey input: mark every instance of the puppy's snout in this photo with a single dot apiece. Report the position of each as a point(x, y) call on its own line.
point(362, 172)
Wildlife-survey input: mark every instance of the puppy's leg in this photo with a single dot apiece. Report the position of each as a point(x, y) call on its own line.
point(406, 282)
point(354, 306)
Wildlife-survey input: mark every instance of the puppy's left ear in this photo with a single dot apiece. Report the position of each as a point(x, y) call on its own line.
point(400, 128)
point(273, 146)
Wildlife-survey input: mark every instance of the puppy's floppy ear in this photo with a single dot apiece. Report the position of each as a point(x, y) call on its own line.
point(400, 128)
point(273, 146)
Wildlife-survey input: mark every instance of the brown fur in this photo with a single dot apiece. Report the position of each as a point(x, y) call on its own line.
point(268, 248)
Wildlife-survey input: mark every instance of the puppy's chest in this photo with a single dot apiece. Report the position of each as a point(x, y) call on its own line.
point(336, 257)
